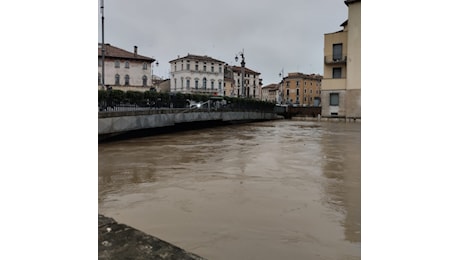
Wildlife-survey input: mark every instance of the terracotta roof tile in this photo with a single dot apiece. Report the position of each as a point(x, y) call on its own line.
point(246, 70)
point(271, 86)
point(296, 75)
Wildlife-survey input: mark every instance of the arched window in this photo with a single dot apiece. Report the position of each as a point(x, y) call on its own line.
point(126, 80)
point(204, 83)
point(212, 84)
point(117, 80)
point(117, 64)
point(126, 65)
point(144, 66)
point(144, 81)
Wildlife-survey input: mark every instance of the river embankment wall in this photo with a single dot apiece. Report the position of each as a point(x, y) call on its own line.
point(120, 241)
point(111, 123)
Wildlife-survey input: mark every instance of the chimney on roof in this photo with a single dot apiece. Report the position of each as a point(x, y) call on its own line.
point(135, 50)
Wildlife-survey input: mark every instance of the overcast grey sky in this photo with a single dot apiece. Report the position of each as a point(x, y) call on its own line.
point(285, 34)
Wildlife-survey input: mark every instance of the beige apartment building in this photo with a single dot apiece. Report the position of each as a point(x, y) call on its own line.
point(270, 93)
point(301, 89)
point(252, 87)
point(161, 85)
point(341, 86)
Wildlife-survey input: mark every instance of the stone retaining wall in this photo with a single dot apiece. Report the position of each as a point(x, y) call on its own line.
point(118, 124)
point(119, 241)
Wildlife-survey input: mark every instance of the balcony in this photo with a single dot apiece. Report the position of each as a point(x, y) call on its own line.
point(335, 60)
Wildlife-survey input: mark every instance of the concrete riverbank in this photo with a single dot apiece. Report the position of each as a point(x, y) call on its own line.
point(119, 122)
point(119, 241)
point(113, 125)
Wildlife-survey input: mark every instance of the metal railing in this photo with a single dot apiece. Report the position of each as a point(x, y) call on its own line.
point(331, 59)
point(179, 107)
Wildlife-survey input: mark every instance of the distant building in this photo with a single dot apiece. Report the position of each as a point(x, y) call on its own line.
point(161, 85)
point(197, 74)
point(124, 70)
point(251, 82)
point(341, 89)
point(229, 82)
point(301, 89)
point(270, 93)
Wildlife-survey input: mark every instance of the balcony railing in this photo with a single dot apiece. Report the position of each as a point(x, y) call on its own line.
point(335, 60)
point(203, 91)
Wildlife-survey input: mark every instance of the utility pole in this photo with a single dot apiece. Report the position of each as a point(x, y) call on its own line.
point(103, 45)
point(281, 94)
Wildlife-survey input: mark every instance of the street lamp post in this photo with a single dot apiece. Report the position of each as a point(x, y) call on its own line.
point(152, 74)
point(281, 95)
point(243, 90)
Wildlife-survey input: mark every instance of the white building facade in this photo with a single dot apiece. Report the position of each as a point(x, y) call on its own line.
point(124, 70)
point(252, 87)
point(195, 74)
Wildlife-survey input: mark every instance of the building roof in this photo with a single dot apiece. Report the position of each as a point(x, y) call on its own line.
point(301, 75)
point(347, 2)
point(271, 86)
point(246, 70)
point(198, 58)
point(115, 52)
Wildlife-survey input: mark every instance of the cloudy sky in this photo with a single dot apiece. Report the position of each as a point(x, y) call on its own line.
point(274, 35)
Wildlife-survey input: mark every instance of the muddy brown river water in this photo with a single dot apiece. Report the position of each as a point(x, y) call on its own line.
point(268, 190)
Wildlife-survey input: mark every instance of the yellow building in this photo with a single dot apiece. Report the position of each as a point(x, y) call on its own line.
point(301, 89)
point(229, 82)
point(341, 88)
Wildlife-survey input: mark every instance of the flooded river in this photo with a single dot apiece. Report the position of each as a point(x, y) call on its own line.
point(268, 190)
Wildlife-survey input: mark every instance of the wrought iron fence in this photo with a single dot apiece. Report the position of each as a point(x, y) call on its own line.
point(117, 100)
